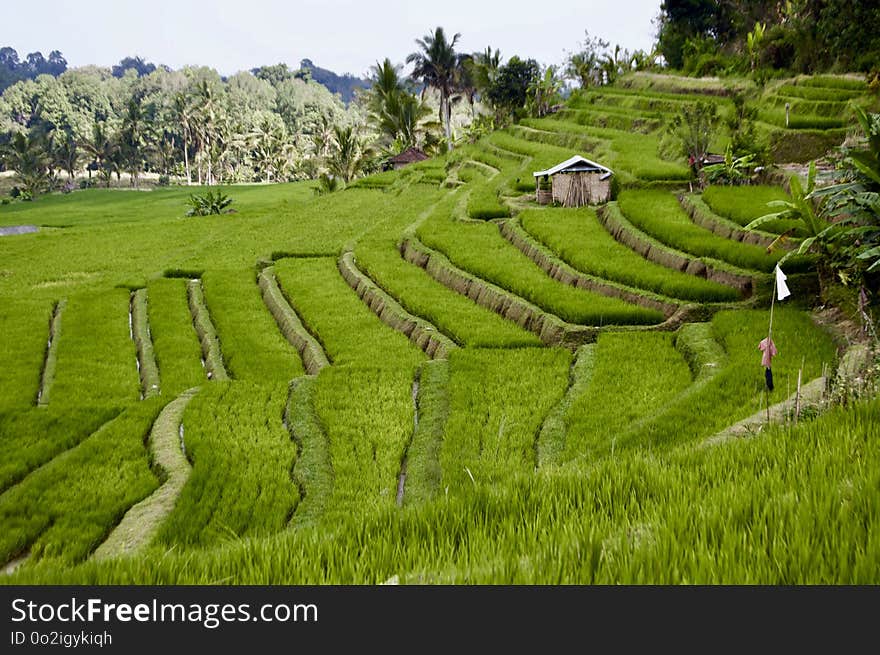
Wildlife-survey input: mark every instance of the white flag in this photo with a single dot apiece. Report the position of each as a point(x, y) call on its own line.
point(781, 287)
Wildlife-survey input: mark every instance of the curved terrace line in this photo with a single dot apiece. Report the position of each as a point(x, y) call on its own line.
point(148, 369)
point(423, 333)
point(142, 521)
point(626, 233)
point(47, 375)
point(513, 231)
point(294, 330)
point(215, 369)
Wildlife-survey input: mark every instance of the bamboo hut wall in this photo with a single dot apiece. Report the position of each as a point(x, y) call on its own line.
point(579, 189)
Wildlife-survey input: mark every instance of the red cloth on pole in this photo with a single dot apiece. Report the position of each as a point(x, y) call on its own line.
point(769, 349)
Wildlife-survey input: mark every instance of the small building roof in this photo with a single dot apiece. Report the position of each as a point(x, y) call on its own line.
point(409, 156)
point(711, 158)
point(577, 164)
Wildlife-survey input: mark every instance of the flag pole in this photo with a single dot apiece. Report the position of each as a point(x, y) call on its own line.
point(772, 302)
point(770, 334)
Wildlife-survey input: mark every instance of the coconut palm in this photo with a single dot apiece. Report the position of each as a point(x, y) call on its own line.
point(132, 139)
point(438, 66)
point(183, 113)
point(104, 151)
point(396, 113)
point(349, 157)
point(206, 126)
point(28, 157)
point(65, 152)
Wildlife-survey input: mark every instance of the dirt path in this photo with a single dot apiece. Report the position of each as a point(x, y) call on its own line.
point(811, 394)
point(852, 364)
point(142, 521)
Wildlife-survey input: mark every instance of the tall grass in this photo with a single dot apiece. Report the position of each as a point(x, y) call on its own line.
point(634, 377)
point(253, 347)
point(67, 507)
point(31, 437)
point(659, 214)
point(484, 252)
point(795, 506)
point(580, 240)
point(175, 343)
point(368, 415)
point(24, 323)
point(458, 317)
point(738, 390)
point(491, 432)
point(97, 361)
point(349, 332)
point(242, 458)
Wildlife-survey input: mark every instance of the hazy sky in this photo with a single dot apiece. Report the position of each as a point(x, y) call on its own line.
point(346, 36)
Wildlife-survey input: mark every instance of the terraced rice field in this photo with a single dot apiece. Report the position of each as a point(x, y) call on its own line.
point(427, 376)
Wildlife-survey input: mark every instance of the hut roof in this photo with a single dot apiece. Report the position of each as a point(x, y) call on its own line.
point(409, 156)
point(711, 158)
point(577, 164)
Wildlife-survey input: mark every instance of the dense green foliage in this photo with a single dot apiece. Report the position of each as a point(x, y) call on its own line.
point(491, 433)
point(742, 205)
point(500, 460)
point(578, 238)
point(242, 459)
point(253, 349)
point(659, 214)
point(67, 507)
point(175, 343)
point(483, 251)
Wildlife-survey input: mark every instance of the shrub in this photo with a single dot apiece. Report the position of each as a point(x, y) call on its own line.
point(213, 202)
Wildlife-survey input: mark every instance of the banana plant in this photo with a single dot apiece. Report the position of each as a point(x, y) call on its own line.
point(800, 208)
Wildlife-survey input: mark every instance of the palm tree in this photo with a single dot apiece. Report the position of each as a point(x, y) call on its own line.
point(395, 112)
point(103, 149)
point(132, 139)
point(437, 65)
point(206, 127)
point(65, 152)
point(386, 84)
point(349, 157)
point(183, 113)
point(28, 157)
point(269, 145)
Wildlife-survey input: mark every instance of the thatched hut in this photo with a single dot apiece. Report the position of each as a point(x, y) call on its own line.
point(408, 156)
point(574, 183)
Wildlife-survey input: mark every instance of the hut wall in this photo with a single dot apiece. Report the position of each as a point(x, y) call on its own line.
point(600, 190)
point(561, 187)
point(578, 189)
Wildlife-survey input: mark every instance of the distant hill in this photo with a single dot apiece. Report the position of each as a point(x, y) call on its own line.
point(344, 85)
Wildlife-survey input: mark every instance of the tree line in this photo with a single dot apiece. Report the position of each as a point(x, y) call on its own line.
point(708, 37)
point(264, 125)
